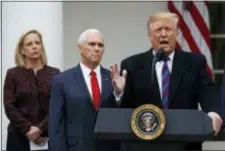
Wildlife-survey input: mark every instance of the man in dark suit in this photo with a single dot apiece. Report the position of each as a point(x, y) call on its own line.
point(179, 80)
point(76, 96)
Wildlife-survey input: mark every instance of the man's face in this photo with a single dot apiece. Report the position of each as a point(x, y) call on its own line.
point(163, 34)
point(91, 51)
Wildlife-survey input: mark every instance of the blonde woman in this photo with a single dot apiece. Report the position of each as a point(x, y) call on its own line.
point(27, 93)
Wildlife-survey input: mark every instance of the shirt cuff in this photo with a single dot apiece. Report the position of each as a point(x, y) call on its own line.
point(118, 96)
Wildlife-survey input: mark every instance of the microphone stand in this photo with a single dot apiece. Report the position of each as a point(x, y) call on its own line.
point(159, 55)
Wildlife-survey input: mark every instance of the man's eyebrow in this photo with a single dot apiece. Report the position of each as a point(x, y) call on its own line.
point(99, 43)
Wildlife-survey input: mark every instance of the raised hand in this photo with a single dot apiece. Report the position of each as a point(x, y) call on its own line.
point(118, 81)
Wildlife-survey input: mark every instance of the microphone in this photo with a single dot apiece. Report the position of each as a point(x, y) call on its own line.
point(159, 55)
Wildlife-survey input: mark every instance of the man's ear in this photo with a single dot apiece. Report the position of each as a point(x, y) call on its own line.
point(149, 36)
point(79, 48)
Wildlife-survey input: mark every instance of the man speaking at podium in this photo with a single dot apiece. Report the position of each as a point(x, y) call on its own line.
point(175, 80)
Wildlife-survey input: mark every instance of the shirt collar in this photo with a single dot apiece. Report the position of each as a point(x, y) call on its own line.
point(171, 56)
point(86, 71)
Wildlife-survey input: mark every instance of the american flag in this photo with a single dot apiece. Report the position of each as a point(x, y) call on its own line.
point(194, 28)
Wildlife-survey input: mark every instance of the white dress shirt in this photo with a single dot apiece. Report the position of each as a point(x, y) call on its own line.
point(86, 73)
point(158, 69)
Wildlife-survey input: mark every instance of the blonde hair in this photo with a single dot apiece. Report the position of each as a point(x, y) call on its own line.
point(158, 15)
point(19, 58)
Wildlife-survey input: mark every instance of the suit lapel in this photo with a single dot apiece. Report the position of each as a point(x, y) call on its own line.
point(147, 77)
point(81, 82)
point(155, 87)
point(178, 68)
point(106, 83)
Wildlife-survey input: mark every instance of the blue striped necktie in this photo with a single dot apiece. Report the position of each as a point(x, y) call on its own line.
point(165, 83)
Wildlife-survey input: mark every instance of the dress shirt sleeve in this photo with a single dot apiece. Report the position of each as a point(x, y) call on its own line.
point(118, 96)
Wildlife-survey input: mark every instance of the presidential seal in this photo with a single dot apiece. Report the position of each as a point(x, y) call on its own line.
point(148, 122)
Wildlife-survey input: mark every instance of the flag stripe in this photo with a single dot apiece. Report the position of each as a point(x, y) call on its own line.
point(206, 3)
point(185, 29)
point(182, 42)
point(190, 23)
point(198, 38)
point(200, 23)
point(193, 30)
point(203, 10)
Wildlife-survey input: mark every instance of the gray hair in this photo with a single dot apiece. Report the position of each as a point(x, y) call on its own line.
point(83, 36)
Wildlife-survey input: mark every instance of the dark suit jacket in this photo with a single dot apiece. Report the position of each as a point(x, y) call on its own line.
point(189, 83)
point(72, 116)
point(223, 97)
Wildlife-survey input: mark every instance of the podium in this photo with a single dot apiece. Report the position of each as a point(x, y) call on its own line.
point(182, 127)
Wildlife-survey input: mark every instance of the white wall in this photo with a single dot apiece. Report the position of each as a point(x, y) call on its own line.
point(124, 25)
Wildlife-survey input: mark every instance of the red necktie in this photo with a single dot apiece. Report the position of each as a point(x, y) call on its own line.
point(95, 90)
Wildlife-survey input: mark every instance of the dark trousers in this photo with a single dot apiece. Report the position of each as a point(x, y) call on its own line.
point(17, 142)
